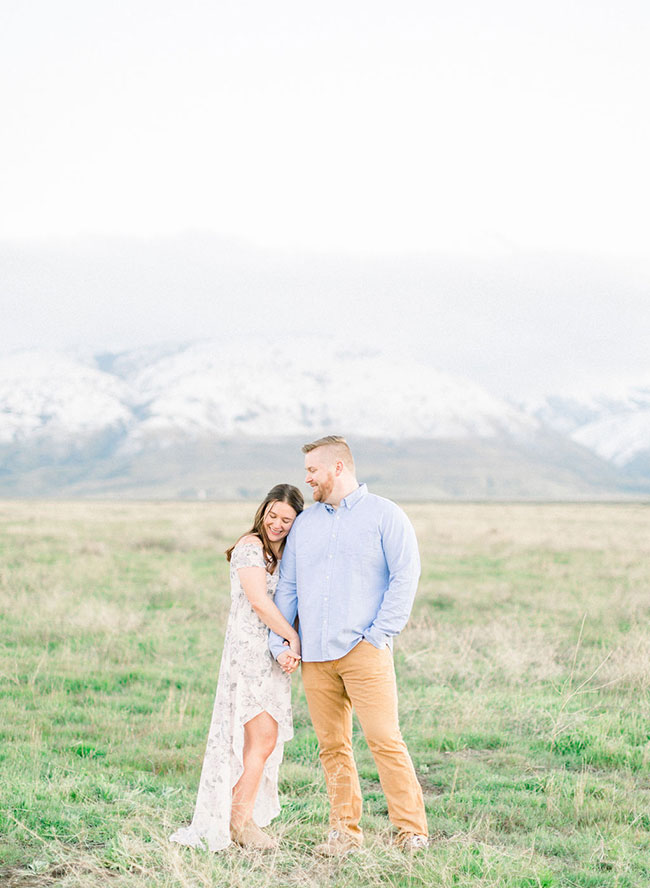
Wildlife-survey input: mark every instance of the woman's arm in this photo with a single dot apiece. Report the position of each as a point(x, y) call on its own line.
point(253, 581)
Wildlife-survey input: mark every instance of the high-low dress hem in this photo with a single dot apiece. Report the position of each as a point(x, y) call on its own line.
point(250, 682)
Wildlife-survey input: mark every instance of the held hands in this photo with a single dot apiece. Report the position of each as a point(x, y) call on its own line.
point(288, 662)
point(289, 659)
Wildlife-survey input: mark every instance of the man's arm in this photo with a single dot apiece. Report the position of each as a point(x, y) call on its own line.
point(403, 560)
point(286, 598)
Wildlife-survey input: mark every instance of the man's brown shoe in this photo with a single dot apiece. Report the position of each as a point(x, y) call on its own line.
point(251, 836)
point(411, 842)
point(338, 844)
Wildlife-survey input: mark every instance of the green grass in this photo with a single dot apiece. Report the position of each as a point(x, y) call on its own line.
point(524, 681)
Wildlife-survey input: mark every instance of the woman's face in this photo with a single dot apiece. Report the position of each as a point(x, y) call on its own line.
point(278, 520)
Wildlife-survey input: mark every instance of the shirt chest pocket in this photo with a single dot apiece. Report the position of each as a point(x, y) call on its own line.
point(362, 548)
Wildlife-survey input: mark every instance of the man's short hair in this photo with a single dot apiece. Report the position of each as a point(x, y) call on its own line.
point(339, 447)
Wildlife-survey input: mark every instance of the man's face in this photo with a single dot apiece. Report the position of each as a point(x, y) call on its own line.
point(320, 473)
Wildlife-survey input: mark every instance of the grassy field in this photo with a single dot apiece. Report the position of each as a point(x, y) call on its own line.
point(524, 677)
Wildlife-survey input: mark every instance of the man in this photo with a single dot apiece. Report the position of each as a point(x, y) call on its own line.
point(350, 570)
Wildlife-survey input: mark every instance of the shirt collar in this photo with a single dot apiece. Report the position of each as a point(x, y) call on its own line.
point(353, 498)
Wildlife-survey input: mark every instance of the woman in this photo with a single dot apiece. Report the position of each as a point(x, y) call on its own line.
point(238, 790)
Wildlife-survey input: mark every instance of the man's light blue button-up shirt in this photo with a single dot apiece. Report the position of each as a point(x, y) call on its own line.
point(349, 573)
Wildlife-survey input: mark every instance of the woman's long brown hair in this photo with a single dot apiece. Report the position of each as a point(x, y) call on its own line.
point(281, 493)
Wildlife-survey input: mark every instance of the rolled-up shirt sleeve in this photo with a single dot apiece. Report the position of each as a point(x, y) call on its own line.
point(286, 598)
point(403, 561)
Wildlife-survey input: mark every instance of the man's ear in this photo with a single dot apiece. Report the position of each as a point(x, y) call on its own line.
point(339, 467)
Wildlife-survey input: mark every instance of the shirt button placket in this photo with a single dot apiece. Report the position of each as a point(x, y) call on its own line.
point(326, 597)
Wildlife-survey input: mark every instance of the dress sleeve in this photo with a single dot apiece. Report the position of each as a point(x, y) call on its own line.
point(248, 555)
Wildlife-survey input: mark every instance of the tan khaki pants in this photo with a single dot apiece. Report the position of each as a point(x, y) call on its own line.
point(363, 678)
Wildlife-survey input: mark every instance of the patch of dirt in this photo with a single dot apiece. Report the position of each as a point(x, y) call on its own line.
point(428, 785)
point(26, 877)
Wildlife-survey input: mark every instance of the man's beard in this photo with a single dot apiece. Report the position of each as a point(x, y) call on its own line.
point(322, 491)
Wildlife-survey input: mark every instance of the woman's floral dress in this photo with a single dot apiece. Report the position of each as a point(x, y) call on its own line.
point(250, 682)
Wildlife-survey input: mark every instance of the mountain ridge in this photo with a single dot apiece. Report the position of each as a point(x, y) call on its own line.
point(104, 422)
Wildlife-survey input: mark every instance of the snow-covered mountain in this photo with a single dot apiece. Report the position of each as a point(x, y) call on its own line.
point(85, 423)
point(252, 389)
point(613, 422)
point(51, 395)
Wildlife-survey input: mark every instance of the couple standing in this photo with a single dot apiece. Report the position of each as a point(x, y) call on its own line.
point(349, 572)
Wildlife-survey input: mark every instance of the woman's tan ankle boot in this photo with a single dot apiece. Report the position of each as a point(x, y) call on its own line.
point(249, 835)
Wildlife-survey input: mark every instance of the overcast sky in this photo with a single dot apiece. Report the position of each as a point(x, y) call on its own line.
point(481, 167)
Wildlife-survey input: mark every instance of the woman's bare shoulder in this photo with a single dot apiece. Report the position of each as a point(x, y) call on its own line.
point(250, 538)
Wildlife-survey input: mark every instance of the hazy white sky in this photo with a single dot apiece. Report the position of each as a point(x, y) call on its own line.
point(499, 148)
point(371, 124)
